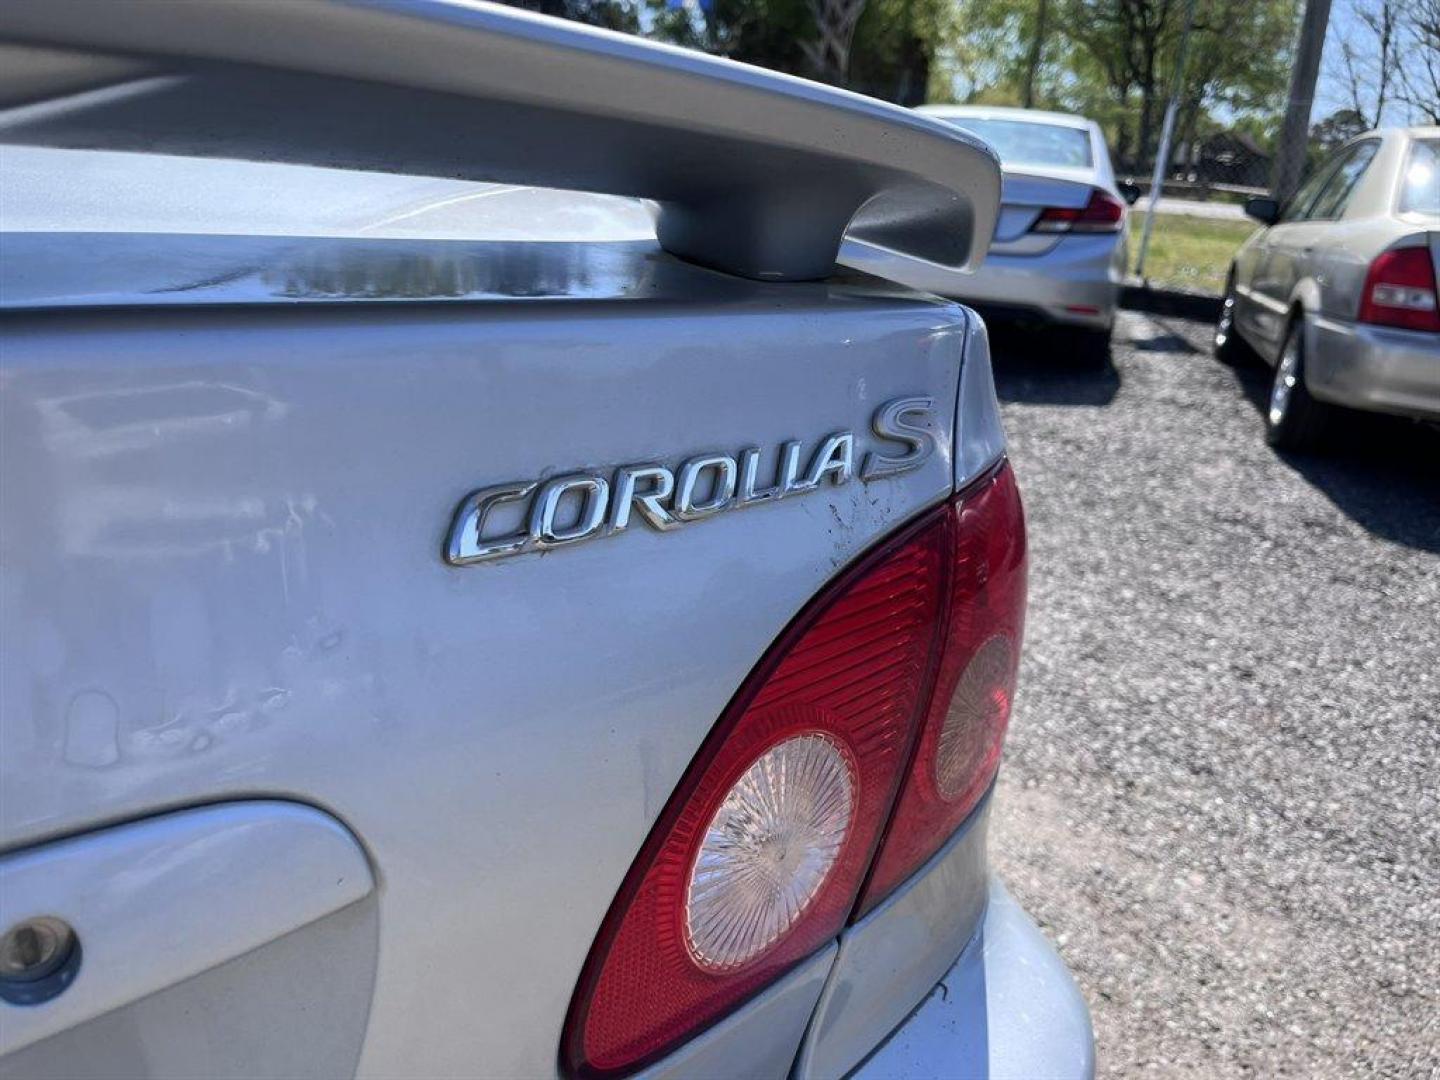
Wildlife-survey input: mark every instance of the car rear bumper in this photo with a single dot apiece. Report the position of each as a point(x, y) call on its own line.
point(948, 977)
point(1008, 1008)
point(1076, 283)
point(1376, 368)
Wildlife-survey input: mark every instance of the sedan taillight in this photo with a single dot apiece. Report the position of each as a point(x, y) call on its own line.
point(969, 708)
point(1101, 214)
point(1400, 291)
point(760, 855)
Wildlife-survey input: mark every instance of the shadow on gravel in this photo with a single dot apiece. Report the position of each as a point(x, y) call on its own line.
point(1383, 472)
point(1165, 343)
point(1039, 368)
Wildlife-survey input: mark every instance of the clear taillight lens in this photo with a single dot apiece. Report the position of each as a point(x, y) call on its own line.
point(759, 857)
point(768, 850)
point(1400, 291)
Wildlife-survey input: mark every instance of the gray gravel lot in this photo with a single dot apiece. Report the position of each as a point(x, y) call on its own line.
point(1220, 792)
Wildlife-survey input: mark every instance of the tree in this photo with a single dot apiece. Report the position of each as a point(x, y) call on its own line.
point(1243, 83)
point(1420, 77)
point(829, 51)
point(1366, 59)
point(767, 33)
point(1121, 57)
point(1386, 60)
point(1124, 42)
point(895, 49)
point(1005, 52)
point(611, 14)
point(890, 52)
point(1112, 60)
point(1339, 127)
point(1036, 52)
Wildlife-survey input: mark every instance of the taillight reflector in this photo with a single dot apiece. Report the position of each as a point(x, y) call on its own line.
point(1101, 213)
point(1400, 291)
point(762, 851)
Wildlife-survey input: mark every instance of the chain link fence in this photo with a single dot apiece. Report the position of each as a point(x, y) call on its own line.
point(1224, 165)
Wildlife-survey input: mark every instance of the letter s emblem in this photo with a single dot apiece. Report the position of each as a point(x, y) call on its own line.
point(905, 420)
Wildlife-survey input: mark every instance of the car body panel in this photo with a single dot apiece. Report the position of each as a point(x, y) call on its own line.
point(193, 521)
point(1081, 287)
point(193, 516)
point(759, 1040)
point(1310, 254)
point(891, 959)
point(1376, 368)
point(1320, 266)
point(309, 1021)
point(212, 884)
point(101, 191)
point(1000, 1013)
point(239, 409)
point(1315, 269)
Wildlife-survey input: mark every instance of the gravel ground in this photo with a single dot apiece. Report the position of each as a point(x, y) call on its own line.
point(1220, 792)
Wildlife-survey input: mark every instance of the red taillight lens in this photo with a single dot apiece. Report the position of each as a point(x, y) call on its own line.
point(840, 690)
point(1400, 291)
point(1102, 213)
point(969, 709)
point(761, 853)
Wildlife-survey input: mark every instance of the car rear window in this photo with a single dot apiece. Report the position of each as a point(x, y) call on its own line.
point(1420, 186)
point(1023, 142)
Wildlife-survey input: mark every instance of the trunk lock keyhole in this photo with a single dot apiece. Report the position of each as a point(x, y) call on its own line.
point(38, 959)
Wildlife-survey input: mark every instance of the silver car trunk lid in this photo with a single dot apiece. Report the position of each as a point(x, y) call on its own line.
point(233, 455)
point(1028, 190)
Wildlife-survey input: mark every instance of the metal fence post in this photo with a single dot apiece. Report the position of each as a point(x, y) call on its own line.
point(1167, 131)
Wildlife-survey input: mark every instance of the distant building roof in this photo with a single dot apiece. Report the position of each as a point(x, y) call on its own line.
point(1241, 138)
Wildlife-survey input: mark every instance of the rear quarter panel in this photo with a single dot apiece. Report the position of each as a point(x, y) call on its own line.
point(1337, 265)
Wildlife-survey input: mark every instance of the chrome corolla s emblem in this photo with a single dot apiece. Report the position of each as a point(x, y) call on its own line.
point(606, 501)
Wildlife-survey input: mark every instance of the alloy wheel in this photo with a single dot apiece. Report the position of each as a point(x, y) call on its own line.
point(1225, 327)
point(1287, 374)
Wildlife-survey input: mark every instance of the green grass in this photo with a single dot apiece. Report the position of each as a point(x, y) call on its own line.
point(1189, 253)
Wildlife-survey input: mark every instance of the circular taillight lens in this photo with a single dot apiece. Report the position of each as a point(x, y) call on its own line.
point(767, 850)
point(977, 717)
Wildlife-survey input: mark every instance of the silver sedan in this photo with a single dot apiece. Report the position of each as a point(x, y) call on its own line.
point(1338, 293)
point(1059, 250)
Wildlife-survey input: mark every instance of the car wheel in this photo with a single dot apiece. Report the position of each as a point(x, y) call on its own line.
point(1230, 347)
point(1294, 419)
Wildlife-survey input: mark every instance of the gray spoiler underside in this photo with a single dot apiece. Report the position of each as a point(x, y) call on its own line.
point(755, 173)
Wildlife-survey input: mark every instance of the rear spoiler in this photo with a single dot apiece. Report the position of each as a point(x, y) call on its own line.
point(755, 173)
